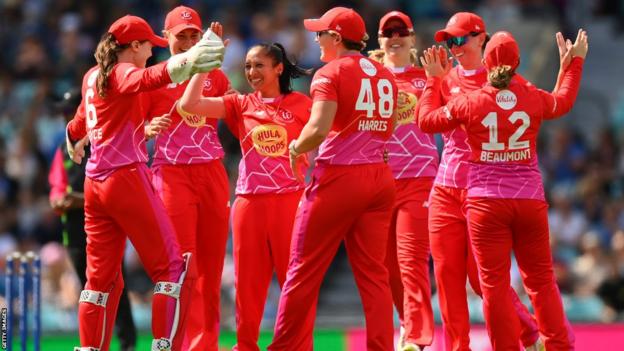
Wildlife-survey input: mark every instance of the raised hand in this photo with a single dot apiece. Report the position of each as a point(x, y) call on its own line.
point(567, 50)
point(204, 56)
point(445, 59)
point(217, 29)
point(157, 125)
point(580, 46)
point(431, 62)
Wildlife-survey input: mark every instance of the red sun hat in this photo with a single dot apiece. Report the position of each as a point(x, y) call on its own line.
point(129, 28)
point(398, 15)
point(502, 50)
point(462, 23)
point(181, 18)
point(346, 22)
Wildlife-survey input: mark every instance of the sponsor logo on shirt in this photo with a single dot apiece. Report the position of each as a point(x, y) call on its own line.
point(192, 120)
point(368, 67)
point(322, 80)
point(406, 105)
point(270, 140)
point(506, 99)
point(419, 83)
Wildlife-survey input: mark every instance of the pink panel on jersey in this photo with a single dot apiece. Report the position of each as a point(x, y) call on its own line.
point(453, 170)
point(265, 128)
point(124, 147)
point(191, 140)
point(411, 153)
point(366, 95)
point(506, 181)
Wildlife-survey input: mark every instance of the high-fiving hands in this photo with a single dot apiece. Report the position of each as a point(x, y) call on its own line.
point(204, 56)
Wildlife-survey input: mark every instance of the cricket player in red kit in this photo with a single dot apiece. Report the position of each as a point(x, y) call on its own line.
point(119, 199)
point(267, 192)
point(453, 261)
point(351, 194)
point(413, 158)
point(191, 181)
point(506, 206)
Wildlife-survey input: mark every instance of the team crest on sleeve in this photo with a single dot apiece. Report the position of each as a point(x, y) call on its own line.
point(506, 99)
point(208, 84)
point(368, 67)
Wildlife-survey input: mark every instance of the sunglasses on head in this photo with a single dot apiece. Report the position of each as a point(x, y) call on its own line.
point(460, 41)
point(400, 31)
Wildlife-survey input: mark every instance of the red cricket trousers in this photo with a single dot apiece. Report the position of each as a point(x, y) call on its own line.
point(197, 198)
point(453, 261)
point(351, 203)
point(498, 226)
point(124, 205)
point(407, 259)
point(262, 228)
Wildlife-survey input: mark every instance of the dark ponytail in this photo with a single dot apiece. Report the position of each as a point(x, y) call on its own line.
point(291, 71)
point(106, 58)
point(500, 76)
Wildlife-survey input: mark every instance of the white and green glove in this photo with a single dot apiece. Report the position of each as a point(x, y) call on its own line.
point(204, 56)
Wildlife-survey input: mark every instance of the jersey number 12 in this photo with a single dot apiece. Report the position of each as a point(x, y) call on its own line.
point(491, 122)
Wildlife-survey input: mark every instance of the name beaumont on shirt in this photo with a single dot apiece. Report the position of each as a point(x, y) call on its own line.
point(372, 125)
point(507, 156)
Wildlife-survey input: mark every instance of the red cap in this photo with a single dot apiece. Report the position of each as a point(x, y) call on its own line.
point(398, 15)
point(502, 50)
point(348, 23)
point(129, 28)
point(462, 23)
point(182, 18)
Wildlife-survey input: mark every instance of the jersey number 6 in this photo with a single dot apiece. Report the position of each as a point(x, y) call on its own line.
point(89, 107)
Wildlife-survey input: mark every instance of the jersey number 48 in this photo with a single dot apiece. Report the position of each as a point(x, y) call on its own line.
point(366, 100)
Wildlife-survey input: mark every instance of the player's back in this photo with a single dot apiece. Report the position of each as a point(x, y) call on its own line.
point(366, 96)
point(114, 123)
point(502, 131)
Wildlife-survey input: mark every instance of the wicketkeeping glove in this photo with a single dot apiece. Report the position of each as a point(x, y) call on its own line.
point(204, 56)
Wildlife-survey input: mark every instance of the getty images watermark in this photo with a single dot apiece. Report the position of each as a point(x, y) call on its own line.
point(3, 327)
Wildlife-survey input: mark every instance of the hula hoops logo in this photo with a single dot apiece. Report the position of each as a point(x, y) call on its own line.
point(270, 140)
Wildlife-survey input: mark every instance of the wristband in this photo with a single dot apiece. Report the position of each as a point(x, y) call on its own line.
point(292, 150)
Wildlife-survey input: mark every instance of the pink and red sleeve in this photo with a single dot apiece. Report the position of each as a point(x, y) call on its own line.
point(559, 103)
point(57, 176)
point(433, 117)
point(128, 78)
point(233, 112)
point(77, 127)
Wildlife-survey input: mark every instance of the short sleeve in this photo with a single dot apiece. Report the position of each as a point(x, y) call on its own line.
point(233, 112)
point(324, 86)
